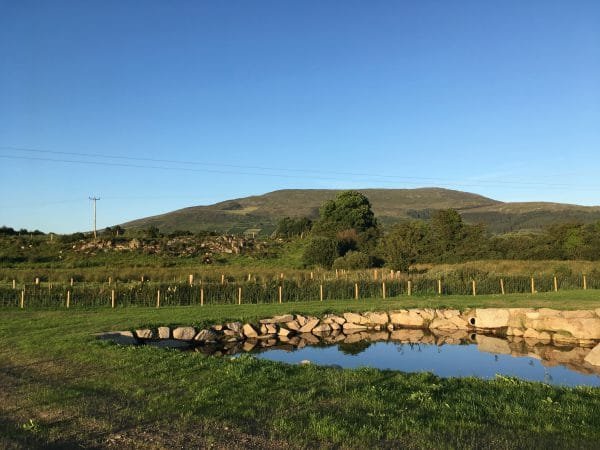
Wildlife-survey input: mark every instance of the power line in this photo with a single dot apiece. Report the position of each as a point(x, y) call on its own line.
point(278, 169)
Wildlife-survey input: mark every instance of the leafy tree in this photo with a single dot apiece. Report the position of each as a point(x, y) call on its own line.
point(290, 227)
point(405, 244)
point(320, 251)
point(349, 210)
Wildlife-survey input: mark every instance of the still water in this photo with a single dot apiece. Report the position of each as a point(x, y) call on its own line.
point(448, 360)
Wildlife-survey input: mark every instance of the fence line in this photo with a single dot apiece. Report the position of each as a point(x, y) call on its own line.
point(112, 295)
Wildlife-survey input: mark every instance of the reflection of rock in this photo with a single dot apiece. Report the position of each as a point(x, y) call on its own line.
point(407, 335)
point(353, 327)
point(593, 357)
point(493, 345)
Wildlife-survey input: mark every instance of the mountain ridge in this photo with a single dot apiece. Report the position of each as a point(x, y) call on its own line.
point(390, 206)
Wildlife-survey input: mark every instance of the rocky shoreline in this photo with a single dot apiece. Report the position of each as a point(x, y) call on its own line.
point(497, 330)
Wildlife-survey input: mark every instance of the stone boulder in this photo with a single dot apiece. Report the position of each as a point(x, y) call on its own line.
point(144, 333)
point(355, 318)
point(309, 325)
point(377, 318)
point(164, 332)
point(234, 326)
point(206, 336)
point(184, 333)
point(489, 318)
point(278, 319)
point(249, 331)
point(408, 319)
point(322, 328)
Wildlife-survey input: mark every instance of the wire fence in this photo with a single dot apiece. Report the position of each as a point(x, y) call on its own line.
point(221, 292)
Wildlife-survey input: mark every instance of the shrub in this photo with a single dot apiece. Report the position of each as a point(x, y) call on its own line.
point(352, 260)
point(320, 251)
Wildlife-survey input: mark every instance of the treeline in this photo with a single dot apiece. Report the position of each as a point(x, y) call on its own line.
point(347, 235)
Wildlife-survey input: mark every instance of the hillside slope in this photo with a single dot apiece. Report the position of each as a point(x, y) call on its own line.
point(390, 205)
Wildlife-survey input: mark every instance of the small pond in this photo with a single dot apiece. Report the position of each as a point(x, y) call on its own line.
point(457, 354)
point(449, 360)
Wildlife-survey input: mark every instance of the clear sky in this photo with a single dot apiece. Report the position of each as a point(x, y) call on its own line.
point(158, 105)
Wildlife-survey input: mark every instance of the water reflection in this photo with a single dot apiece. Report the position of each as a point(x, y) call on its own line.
point(447, 354)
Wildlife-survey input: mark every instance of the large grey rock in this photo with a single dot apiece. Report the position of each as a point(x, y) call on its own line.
point(235, 326)
point(144, 333)
point(322, 328)
point(411, 318)
point(164, 332)
point(278, 319)
point(355, 318)
point(184, 333)
point(377, 318)
point(206, 336)
point(292, 325)
point(249, 331)
point(309, 325)
point(489, 318)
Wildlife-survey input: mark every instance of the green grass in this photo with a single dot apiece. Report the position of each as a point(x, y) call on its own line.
point(63, 388)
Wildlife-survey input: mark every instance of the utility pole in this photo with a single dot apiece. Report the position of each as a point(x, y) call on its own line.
point(94, 199)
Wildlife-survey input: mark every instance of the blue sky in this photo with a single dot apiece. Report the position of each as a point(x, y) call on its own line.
point(191, 102)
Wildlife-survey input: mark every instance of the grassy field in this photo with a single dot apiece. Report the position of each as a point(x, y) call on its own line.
point(62, 388)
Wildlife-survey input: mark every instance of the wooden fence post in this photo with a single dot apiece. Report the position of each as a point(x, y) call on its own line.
point(356, 291)
point(22, 299)
point(383, 289)
point(68, 299)
point(555, 284)
point(584, 282)
point(37, 281)
point(222, 278)
point(280, 292)
point(439, 287)
point(321, 292)
point(532, 285)
point(109, 281)
point(71, 281)
point(112, 299)
point(502, 286)
point(158, 298)
point(201, 296)
point(191, 279)
point(474, 287)
point(311, 276)
point(409, 287)
point(14, 284)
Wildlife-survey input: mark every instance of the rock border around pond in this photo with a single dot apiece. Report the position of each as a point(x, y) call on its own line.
point(581, 328)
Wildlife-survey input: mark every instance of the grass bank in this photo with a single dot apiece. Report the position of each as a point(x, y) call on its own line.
point(62, 388)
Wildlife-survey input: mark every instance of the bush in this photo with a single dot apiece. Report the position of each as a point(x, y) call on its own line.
point(320, 251)
point(352, 260)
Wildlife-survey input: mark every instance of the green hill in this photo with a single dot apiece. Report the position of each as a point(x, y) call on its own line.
point(390, 206)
